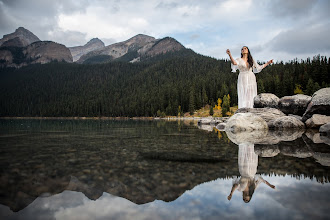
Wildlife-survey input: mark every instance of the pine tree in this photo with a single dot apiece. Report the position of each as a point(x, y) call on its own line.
point(225, 104)
point(191, 102)
point(211, 112)
point(310, 87)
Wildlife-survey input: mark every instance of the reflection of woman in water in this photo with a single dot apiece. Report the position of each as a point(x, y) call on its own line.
point(247, 165)
point(246, 83)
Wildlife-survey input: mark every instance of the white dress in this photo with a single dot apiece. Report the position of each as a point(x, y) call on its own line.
point(246, 83)
point(247, 166)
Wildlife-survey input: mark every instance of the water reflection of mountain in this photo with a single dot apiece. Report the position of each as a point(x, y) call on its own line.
point(162, 165)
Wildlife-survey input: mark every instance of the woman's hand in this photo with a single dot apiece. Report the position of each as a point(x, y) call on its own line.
point(269, 62)
point(228, 52)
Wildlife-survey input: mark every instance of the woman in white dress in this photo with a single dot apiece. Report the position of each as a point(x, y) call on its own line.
point(247, 166)
point(246, 83)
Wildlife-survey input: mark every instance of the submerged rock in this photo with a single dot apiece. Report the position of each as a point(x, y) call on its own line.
point(266, 150)
point(247, 136)
point(266, 100)
point(295, 104)
point(269, 137)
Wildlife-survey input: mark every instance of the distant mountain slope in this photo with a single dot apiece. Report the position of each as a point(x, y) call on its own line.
point(16, 50)
point(22, 48)
point(93, 44)
point(138, 48)
point(117, 50)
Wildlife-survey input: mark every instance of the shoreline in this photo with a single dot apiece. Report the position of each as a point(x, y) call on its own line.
point(169, 118)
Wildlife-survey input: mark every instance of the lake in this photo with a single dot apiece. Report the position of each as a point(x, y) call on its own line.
point(157, 169)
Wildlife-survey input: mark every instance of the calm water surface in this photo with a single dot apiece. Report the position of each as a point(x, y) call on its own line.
point(94, 169)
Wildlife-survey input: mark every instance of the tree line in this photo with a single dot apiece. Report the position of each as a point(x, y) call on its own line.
point(168, 85)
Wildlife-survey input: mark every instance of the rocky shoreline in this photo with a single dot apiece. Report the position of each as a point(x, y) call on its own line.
point(270, 113)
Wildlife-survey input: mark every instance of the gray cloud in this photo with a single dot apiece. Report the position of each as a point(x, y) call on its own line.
point(300, 25)
point(292, 8)
point(309, 39)
point(40, 17)
point(165, 5)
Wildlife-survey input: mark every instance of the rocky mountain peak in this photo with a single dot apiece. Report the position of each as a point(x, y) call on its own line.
point(164, 45)
point(140, 40)
point(25, 37)
point(90, 46)
point(94, 41)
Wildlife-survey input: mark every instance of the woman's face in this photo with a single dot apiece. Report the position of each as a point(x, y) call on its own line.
point(245, 50)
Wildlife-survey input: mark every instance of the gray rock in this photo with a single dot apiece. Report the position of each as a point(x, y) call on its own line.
point(317, 120)
point(320, 104)
point(205, 121)
point(245, 122)
point(286, 122)
point(267, 114)
point(325, 139)
point(221, 126)
point(325, 128)
point(296, 116)
point(266, 100)
point(314, 136)
point(295, 104)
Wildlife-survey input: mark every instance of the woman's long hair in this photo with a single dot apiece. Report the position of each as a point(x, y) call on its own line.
point(247, 196)
point(250, 59)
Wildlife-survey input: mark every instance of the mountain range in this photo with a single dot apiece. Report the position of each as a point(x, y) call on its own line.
point(22, 48)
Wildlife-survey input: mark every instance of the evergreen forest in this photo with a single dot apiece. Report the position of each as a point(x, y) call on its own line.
point(169, 85)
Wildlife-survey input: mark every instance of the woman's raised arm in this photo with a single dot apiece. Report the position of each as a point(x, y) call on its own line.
point(231, 58)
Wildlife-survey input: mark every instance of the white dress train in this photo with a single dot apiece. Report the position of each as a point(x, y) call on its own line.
point(246, 83)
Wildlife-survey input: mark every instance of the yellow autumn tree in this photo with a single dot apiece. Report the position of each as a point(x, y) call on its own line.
point(218, 106)
point(298, 89)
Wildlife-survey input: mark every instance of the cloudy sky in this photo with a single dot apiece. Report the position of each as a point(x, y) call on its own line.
point(278, 29)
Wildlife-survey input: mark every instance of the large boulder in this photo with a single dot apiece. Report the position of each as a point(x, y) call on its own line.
point(267, 114)
point(245, 122)
point(286, 122)
point(317, 120)
point(264, 100)
point(314, 136)
point(295, 104)
point(325, 128)
point(320, 104)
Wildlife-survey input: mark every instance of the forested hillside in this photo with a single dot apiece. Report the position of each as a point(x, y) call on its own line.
point(143, 89)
